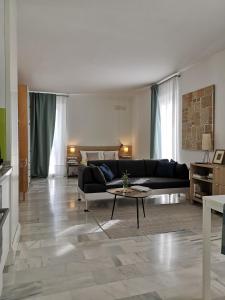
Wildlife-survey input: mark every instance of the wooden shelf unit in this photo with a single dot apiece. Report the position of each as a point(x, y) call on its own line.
point(210, 186)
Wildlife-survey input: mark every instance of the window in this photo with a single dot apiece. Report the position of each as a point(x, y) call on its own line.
point(166, 133)
point(58, 153)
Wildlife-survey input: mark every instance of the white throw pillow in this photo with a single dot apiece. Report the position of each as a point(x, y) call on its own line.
point(92, 156)
point(111, 155)
point(84, 157)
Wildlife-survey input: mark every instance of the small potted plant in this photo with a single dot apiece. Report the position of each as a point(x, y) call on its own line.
point(125, 180)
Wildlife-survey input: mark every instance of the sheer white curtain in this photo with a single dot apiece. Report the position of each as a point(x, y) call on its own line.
point(57, 165)
point(168, 100)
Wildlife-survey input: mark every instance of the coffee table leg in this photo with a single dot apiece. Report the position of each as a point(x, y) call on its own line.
point(137, 212)
point(143, 206)
point(114, 202)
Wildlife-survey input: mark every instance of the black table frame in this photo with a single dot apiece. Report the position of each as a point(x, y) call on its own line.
point(137, 206)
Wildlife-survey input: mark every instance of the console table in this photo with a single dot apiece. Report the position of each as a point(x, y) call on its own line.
point(216, 203)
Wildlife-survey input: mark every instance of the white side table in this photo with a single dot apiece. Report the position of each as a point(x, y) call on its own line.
point(216, 203)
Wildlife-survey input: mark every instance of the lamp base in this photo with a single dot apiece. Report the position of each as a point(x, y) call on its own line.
point(206, 158)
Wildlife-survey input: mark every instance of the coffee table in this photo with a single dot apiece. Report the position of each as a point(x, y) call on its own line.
point(130, 193)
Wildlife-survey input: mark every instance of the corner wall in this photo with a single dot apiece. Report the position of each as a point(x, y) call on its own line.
point(11, 88)
point(2, 82)
point(210, 71)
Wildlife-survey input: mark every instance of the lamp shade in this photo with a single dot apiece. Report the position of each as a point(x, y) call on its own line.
point(125, 149)
point(206, 141)
point(72, 149)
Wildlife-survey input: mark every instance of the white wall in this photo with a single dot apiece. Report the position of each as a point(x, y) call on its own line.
point(99, 120)
point(2, 56)
point(12, 117)
point(141, 111)
point(209, 71)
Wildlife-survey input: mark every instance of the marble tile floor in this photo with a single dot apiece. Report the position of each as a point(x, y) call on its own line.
point(65, 255)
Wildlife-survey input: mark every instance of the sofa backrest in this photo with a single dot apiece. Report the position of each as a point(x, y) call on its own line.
point(140, 168)
point(135, 168)
point(150, 167)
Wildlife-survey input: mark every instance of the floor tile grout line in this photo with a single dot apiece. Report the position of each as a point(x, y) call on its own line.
point(101, 227)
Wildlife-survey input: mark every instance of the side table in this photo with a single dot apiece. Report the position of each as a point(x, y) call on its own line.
point(209, 203)
point(72, 169)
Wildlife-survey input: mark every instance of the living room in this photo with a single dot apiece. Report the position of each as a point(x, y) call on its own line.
point(112, 149)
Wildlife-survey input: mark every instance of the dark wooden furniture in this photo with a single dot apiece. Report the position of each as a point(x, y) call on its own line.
point(72, 169)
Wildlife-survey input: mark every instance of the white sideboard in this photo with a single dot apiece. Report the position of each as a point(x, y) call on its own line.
point(5, 199)
point(216, 203)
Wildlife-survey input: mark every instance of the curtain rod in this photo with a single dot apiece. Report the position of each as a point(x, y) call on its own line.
point(57, 94)
point(168, 78)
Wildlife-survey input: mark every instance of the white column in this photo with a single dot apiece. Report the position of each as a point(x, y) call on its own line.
point(206, 251)
point(11, 86)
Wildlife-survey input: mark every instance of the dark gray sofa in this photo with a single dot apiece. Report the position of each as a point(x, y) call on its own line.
point(150, 173)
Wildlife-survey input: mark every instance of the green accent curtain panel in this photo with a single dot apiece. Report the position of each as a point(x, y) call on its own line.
point(42, 126)
point(155, 139)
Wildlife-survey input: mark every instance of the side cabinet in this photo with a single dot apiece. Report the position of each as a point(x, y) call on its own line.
point(5, 230)
point(219, 180)
point(206, 180)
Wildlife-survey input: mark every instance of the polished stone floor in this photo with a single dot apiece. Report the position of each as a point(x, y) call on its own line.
point(65, 255)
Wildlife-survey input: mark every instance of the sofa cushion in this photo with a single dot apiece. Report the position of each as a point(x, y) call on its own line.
point(94, 188)
point(110, 155)
point(152, 182)
point(112, 164)
point(107, 172)
point(97, 174)
point(115, 183)
point(182, 171)
point(85, 175)
point(165, 169)
point(135, 168)
point(92, 155)
point(160, 182)
point(150, 167)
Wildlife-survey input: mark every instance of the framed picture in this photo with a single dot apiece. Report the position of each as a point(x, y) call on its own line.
point(218, 157)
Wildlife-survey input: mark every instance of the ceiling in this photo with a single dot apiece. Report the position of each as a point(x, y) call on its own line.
point(83, 46)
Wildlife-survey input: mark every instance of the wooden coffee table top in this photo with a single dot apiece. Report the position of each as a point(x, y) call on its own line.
point(130, 193)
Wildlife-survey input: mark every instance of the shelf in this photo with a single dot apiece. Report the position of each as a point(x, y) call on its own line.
point(202, 179)
point(197, 199)
point(208, 166)
point(205, 184)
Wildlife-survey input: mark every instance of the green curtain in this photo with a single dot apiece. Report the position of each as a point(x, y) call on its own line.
point(155, 138)
point(42, 126)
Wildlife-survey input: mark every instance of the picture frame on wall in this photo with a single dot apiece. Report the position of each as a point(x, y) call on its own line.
point(218, 157)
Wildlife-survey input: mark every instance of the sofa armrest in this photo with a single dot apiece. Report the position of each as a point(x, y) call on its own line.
point(84, 176)
point(182, 171)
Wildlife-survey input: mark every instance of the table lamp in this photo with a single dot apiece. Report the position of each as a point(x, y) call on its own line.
point(71, 150)
point(125, 149)
point(206, 146)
